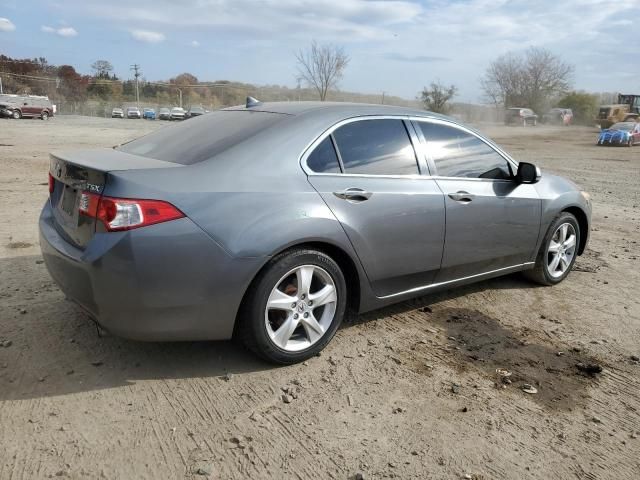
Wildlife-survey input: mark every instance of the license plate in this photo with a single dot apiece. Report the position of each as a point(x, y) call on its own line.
point(68, 202)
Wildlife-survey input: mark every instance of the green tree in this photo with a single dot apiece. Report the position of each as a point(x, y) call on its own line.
point(584, 106)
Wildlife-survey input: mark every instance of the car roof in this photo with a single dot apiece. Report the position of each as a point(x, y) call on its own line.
point(336, 109)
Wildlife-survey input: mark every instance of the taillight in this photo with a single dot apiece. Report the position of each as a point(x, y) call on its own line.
point(52, 183)
point(127, 213)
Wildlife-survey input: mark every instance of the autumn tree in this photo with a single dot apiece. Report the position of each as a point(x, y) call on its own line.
point(322, 67)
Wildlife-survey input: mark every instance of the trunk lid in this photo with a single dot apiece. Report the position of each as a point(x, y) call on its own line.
point(76, 172)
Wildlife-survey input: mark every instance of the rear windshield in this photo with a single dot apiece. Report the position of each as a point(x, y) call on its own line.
point(203, 137)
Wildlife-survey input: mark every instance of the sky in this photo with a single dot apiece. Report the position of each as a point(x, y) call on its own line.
point(395, 46)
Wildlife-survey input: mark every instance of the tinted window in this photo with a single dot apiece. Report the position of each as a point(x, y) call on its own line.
point(324, 159)
point(202, 137)
point(376, 147)
point(460, 154)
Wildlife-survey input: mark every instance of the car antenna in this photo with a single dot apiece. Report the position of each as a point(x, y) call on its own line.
point(253, 102)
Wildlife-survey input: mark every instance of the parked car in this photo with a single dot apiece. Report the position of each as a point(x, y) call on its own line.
point(621, 134)
point(149, 114)
point(177, 113)
point(521, 116)
point(164, 114)
point(563, 116)
point(195, 112)
point(26, 106)
point(117, 112)
point(133, 112)
point(276, 218)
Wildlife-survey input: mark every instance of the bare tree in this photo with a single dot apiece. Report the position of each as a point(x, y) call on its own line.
point(322, 67)
point(102, 68)
point(528, 80)
point(435, 97)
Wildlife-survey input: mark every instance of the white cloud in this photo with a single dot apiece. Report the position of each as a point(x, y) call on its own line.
point(195, 43)
point(62, 31)
point(6, 25)
point(147, 36)
point(67, 32)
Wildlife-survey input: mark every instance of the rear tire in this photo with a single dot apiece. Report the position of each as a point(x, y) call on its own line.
point(558, 251)
point(294, 307)
point(631, 142)
point(17, 115)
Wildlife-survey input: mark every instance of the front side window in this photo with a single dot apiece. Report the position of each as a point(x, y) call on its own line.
point(376, 147)
point(457, 153)
point(324, 159)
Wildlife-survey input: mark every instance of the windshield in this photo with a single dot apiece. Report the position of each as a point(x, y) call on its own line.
point(203, 137)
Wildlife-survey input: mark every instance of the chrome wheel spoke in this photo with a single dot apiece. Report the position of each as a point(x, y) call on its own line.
point(285, 331)
point(564, 262)
point(304, 276)
point(281, 301)
point(563, 232)
point(312, 328)
point(553, 266)
point(569, 243)
point(326, 295)
point(554, 247)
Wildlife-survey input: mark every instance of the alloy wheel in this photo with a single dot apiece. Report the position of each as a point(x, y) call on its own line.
point(561, 251)
point(301, 308)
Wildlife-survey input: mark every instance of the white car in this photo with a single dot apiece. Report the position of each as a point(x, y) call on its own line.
point(133, 112)
point(117, 113)
point(177, 113)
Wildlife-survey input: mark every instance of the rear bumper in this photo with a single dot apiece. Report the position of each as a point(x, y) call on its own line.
point(168, 281)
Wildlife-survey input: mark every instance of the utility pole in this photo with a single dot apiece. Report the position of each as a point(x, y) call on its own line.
point(136, 68)
point(0, 85)
point(383, 97)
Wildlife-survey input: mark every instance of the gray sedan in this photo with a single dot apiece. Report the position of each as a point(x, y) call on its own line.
point(267, 222)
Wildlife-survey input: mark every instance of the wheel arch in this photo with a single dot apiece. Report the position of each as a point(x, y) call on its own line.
point(583, 223)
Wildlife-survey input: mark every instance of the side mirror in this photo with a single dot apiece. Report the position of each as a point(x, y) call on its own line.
point(528, 173)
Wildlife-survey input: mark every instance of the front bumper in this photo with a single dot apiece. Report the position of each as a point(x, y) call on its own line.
point(168, 281)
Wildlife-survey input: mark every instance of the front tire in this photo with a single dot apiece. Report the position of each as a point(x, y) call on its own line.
point(17, 115)
point(558, 251)
point(44, 116)
point(294, 307)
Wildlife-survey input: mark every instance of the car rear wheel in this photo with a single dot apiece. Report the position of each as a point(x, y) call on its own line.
point(631, 142)
point(16, 114)
point(558, 251)
point(294, 307)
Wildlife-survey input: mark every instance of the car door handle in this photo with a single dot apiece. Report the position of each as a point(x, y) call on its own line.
point(354, 194)
point(461, 196)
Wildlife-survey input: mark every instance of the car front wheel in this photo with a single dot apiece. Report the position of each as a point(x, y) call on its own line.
point(294, 307)
point(44, 116)
point(16, 114)
point(558, 251)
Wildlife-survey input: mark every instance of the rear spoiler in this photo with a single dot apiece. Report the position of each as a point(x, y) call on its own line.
point(109, 160)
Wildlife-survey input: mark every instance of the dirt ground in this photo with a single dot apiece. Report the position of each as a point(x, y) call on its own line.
point(410, 391)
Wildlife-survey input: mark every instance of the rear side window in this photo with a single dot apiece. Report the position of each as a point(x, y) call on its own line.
point(324, 159)
point(376, 147)
point(457, 153)
point(202, 137)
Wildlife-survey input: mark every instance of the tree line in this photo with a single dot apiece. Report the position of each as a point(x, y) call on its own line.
point(535, 78)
